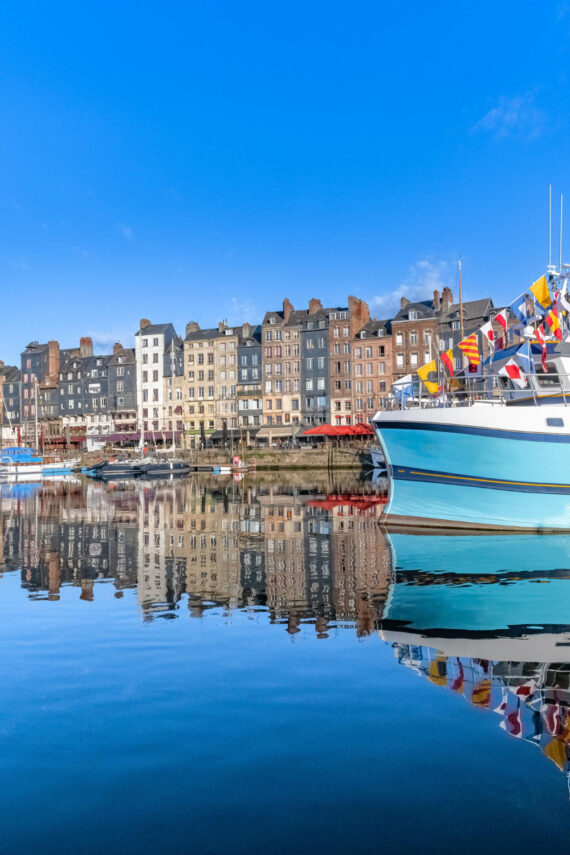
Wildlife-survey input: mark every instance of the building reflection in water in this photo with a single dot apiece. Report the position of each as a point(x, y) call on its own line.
point(485, 616)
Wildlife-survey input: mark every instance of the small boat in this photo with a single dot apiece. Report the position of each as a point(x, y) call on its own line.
point(163, 468)
point(109, 470)
point(24, 464)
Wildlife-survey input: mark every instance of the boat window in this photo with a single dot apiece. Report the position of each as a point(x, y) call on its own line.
point(555, 422)
point(550, 379)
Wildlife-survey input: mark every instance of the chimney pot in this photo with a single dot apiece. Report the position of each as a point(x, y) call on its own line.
point(144, 323)
point(314, 305)
point(191, 327)
point(436, 302)
point(117, 347)
point(404, 302)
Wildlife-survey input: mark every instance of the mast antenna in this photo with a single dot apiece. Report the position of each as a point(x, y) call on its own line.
point(561, 215)
point(549, 226)
point(460, 298)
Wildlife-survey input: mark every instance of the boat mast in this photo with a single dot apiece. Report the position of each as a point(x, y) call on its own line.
point(36, 413)
point(172, 376)
point(460, 299)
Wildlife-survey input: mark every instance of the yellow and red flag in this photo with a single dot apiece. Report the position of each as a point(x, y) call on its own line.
point(447, 359)
point(554, 323)
point(481, 696)
point(470, 347)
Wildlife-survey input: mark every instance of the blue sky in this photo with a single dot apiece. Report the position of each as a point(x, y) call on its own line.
point(198, 161)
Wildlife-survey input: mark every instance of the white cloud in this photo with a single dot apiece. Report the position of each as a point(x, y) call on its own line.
point(106, 340)
point(240, 311)
point(516, 116)
point(126, 231)
point(423, 279)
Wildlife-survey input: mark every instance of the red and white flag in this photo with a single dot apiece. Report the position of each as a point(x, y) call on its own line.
point(541, 339)
point(515, 373)
point(501, 319)
point(488, 333)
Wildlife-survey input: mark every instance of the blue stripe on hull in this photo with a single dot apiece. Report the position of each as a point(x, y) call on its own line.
point(400, 473)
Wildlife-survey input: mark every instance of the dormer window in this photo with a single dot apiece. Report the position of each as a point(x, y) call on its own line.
point(381, 332)
point(271, 320)
point(413, 316)
point(363, 334)
point(455, 325)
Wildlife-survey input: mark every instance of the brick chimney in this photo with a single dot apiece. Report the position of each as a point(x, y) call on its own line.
point(287, 309)
point(53, 357)
point(359, 313)
point(117, 347)
point(246, 330)
point(221, 326)
point(144, 323)
point(436, 300)
point(404, 302)
point(446, 299)
point(85, 346)
point(314, 305)
point(191, 327)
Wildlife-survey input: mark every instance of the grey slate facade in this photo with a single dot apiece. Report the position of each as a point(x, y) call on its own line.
point(315, 400)
point(10, 378)
point(249, 384)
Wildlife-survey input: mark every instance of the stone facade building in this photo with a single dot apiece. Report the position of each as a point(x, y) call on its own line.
point(344, 324)
point(371, 369)
point(210, 401)
point(281, 342)
point(37, 362)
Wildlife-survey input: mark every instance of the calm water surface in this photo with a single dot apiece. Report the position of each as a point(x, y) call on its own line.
point(214, 667)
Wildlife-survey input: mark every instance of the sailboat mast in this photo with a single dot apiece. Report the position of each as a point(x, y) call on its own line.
point(460, 299)
point(172, 376)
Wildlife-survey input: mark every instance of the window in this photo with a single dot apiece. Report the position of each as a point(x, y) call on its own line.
point(413, 338)
point(400, 360)
point(155, 376)
point(309, 364)
point(413, 359)
point(336, 332)
point(155, 342)
point(145, 342)
point(369, 369)
point(121, 371)
point(120, 386)
point(321, 383)
point(399, 338)
point(455, 325)
point(413, 316)
point(346, 331)
point(268, 335)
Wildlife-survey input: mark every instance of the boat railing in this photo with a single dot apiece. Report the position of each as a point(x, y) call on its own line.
point(541, 387)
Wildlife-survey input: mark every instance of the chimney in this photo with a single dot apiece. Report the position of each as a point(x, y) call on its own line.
point(246, 331)
point(404, 302)
point(287, 309)
point(359, 314)
point(436, 300)
point(314, 306)
point(144, 323)
point(221, 326)
point(53, 357)
point(117, 347)
point(446, 299)
point(85, 346)
point(191, 327)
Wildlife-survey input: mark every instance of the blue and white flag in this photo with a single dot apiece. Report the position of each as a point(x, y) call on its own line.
point(523, 357)
point(403, 389)
point(525, 309)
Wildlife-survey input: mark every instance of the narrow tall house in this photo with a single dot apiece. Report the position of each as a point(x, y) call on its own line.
point(152, 354)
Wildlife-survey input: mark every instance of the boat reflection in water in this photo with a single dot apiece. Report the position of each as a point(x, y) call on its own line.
point(487, 616)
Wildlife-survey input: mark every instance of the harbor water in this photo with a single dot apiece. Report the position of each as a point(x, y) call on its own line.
point(259, 665)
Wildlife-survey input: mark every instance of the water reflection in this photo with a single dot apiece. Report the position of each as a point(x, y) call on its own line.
point(484, 616)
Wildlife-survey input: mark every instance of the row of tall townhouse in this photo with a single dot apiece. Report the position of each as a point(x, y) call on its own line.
point(298, 367)
point(69, 394)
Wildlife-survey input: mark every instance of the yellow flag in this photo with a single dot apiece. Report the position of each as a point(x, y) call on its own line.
point(541, 293)
point(428, 375)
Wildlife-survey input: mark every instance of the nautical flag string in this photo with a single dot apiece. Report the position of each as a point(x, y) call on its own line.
point(515, 373)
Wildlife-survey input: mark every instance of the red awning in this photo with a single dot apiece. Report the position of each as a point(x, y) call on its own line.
point(360, 429)
point(361, 503)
